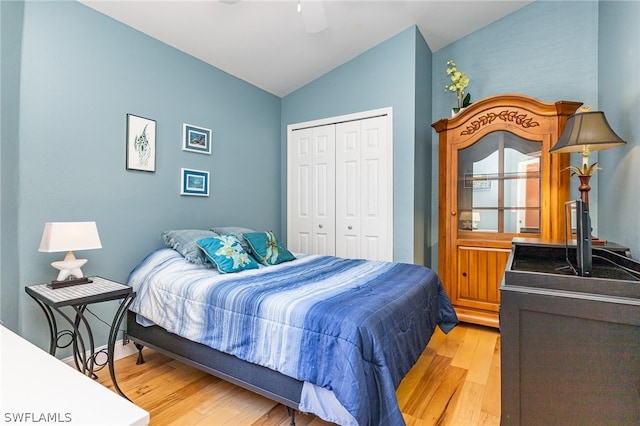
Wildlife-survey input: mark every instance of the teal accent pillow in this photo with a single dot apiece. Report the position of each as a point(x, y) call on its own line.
point(236, 231)
point(267, 249)
point(226, 253)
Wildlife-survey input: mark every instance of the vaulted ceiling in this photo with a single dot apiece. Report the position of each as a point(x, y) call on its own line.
point(271, 45)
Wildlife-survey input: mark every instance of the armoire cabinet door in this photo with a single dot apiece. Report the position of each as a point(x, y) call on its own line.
point(312, 198)
point(480, 271)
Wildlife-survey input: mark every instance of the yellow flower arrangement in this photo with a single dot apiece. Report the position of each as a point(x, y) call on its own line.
point(459, 81)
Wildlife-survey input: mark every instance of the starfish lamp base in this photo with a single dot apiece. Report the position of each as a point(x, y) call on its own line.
point(68, 267)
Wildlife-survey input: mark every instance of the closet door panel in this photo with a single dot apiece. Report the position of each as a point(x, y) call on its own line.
point(350, 247)
point(300, 165)
point(348, 189)
point(311, 201)
point(302, 243)
point(321, 202)
point(375, 195)
point(323, 190)
point(371, 247)
point(322, 213)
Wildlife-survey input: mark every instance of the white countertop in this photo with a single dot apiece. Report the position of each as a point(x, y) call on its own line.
point(38, 389)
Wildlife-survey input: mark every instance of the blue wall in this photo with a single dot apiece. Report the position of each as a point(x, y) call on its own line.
point(384, 76)
point(10, 38)
point(547, 50)
point(423, 187)
point(81, 73)
point(619, 98)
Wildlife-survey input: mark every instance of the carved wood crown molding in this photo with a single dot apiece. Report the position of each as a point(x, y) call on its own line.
point(506, 115)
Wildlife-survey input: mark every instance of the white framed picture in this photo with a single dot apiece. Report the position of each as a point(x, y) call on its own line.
point(194, 182)
point(196, 139)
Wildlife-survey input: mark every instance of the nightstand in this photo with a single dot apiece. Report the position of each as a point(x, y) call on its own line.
point(78, 297)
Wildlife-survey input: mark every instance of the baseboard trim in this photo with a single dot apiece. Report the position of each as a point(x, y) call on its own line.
point(119, 351)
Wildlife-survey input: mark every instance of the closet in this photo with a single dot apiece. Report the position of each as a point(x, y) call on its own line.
point(339, 186)
point(497, 180)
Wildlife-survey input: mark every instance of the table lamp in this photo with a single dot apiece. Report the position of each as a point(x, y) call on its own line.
point(584, 132)
point(66, 237)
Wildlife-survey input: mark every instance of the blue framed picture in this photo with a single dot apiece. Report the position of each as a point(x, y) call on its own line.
point(194, 182)
point(196, 139)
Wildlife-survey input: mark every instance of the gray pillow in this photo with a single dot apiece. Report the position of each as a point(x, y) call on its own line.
point(185, 242)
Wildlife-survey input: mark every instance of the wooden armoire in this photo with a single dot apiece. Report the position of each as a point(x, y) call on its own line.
point(497, 180)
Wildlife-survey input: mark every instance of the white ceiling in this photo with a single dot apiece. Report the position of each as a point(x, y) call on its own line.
point(264, 42)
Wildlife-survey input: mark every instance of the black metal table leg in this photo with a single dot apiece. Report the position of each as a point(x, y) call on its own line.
point(79, 347)
point(113, 334)
point(53, 329)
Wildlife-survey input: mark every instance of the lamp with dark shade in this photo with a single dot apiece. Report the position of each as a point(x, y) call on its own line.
point(584, 132)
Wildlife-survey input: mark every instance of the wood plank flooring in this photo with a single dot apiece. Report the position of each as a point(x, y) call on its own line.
point(456, 381)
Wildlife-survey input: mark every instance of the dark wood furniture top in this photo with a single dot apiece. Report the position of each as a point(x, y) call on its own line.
point(570, 345)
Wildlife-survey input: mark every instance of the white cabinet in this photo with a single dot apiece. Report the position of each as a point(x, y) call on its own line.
point(339, 181)
point(37, 387)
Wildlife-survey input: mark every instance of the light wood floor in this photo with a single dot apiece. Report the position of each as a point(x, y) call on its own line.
point(456, 381)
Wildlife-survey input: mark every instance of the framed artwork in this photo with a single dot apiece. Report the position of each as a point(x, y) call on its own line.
point(477, 182)
point(196, 139)
point(194, 182)
point(141, 143)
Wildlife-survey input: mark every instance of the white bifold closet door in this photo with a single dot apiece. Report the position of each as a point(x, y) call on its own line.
point(339, 181)
point(363, 192)
point(311, 186)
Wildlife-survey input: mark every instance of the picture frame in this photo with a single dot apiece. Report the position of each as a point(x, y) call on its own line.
point(477, 182)
point(196, 139)
point(194, 182)
point(141, 143)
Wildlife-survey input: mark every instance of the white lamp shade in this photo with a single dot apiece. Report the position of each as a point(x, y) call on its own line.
point(69, 236)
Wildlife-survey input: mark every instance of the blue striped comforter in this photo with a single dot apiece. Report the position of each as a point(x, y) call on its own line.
point(352, 326)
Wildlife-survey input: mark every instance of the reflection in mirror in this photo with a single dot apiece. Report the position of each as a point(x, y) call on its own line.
point(499, 185)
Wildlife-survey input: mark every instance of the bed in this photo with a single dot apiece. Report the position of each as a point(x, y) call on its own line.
point(319, 334)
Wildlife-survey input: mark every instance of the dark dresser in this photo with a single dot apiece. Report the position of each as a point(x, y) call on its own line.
point(570, 345)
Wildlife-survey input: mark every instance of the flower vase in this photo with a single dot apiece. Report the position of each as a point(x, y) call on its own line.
point(454, 111)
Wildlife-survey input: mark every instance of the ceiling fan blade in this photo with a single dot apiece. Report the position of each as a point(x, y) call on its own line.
point(313, 15)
